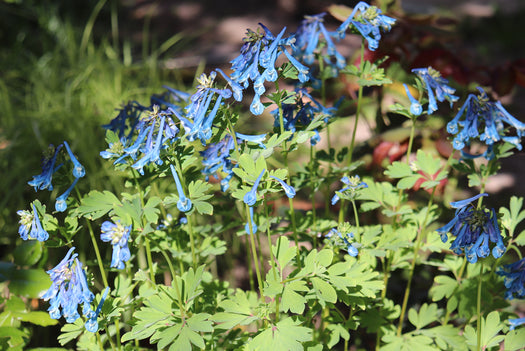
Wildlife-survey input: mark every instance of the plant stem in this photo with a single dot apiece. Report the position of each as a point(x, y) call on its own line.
point(312, 194)
point(272, 258)
point(417, 246)
point(478, 308)
point(254, 250)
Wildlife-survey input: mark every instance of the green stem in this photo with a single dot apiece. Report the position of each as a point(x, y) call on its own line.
point(417, 246)
point(176, 284)
point(312, 194)
point(356, 217)
point(272, 258)
point(478, 309)
point(254, 251)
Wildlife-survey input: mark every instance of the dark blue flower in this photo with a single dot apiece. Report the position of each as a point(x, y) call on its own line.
point(184, 204)
point(30, 226)
point(433, 82)
point(368, 23)
point(514, 279)
point(350, 247)
point(78, 169)
point(288, 189)
point(247, 225)
point(251, 196)
point(474, 229)
point(92, 323)
point(43, 180)
point(485, 120)
point(68, 290)
point(307, 43)
point(354, 184)
point(60, 203)
point(118, 236)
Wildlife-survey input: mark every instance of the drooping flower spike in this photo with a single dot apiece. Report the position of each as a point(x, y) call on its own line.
point(436, 87)
point(118, 236)
point(288, 189)
point(251, 196)
point(474, 229)
point(92, 323)
point(484, 120)
point(350, 247)
point(43, 180)
point(184, 204)
point(30, 225)
point(78, 169)
point(60, 203)
point(247, 225)
point(514, 279)
point(368, 23)
point(68, 290)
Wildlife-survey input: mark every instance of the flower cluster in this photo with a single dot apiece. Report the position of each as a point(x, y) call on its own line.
point(473, 228)
point(514, 278)
point(307, 43)
point(118, 236)
point(436, 87)
point(354, 184)
point(351, 248)
point(368, 23)
point(68, 290)
point(486, 121)
point(258, 54)
point(30, 226)
point(217, 157)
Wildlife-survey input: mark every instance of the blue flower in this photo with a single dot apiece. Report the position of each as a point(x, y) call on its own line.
point(78, 169)
point(30, 226)
point(354, 184)
point(247, 225)
point(288, 189)
point(217, 157)
point(307, 43)
point(184, 204)
point(486, 120)
point(350, 247)
point(68, 290)
point(256, 63)
point(118, 236)
point(415, 107)
point(514, 279)
point(60, 204)
point(43, 180)
point(474, 229)
point(516, 322)
point(92, 323)
point(251, 196)
point(151, 149)
point(368, 23)
point(433, 82)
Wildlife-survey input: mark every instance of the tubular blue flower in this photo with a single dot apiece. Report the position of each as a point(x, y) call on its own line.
point(433, 81)
point(78, 169)
point(368, 23)
point(43, 180)
point(288, 189)
point(350, 247)
point(415, 107)
point(474, 229)
point(514, 279)
point(516, 322)
point(235, 87)
point(257, 139)
point(184, 204)
point(151, 149)
point(247, 225)
point(68, 290)
point(30, 226)
point(118, 236)
point(217, 156)
point(307, 43)
point(251, 196)
point(354, 185)
point(60, 203)
point(484, 120)
point(92, 323)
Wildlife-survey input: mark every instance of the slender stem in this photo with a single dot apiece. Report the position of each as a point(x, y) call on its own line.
point(417, 246)
point(356, 217)
point(458, 279)
point(109, 339)
point(480, 316)
point(254, 251)
point(272, 258)
point(176, 284)
point(312, 194)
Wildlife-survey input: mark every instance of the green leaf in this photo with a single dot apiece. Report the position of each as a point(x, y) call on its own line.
point(71, 331)
point(283, 252)
point(324, 291)
point(443, 287)
point(30, 283)
point(426, 315)
point(28, 253)
point(490, 328)
point(399, 170)
point(238, 310)
point(407, 343)
point(337, 331)
point(198, 193)
point(150, 210)
point(291, 300)
point(15, 337)
point(286, 335)
point(96, 204)
point(514, 340)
